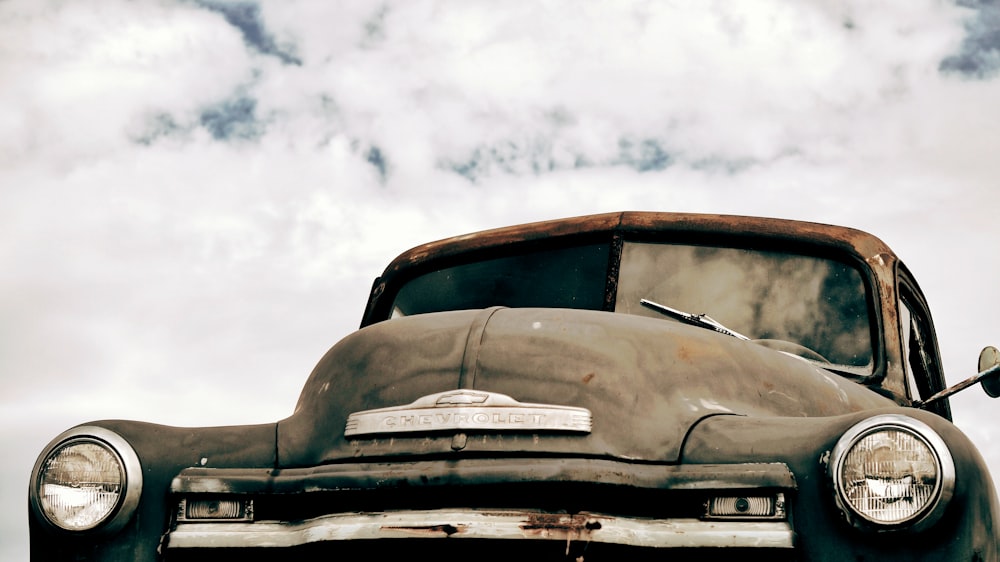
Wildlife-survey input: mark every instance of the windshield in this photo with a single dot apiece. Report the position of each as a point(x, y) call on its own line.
point(790, 300)
point(565, 277)
point(813, 307)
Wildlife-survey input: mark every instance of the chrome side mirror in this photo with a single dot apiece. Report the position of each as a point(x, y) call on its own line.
point(989, 359)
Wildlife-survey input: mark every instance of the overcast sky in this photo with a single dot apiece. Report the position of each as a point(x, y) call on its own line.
point(196, 195)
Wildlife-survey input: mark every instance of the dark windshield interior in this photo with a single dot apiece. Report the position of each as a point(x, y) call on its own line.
point(810, 306)
point(568, 277)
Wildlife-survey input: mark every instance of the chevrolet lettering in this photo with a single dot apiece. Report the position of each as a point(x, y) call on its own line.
point(625, 386)
point(467, 410)
point(462, 420)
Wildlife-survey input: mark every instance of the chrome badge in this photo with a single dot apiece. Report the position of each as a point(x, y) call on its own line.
point(468, 410)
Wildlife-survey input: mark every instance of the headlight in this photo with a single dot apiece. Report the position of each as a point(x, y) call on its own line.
point(890, 472)
point(87, 478)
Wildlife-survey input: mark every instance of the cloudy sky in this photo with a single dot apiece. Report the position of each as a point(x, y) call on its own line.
point(196, 195)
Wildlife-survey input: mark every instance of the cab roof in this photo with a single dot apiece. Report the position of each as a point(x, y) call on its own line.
point(650, 223)
point(633, 225)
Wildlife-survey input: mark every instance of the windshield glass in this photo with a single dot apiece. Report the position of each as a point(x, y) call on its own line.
point(813, 307)
point(567, 277)
point(790, 300)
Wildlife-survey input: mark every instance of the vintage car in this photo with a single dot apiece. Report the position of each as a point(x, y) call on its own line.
point(623, 386)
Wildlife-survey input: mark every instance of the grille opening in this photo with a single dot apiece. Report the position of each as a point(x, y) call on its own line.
point(550, 497)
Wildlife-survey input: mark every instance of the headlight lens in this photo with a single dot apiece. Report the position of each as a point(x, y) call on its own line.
point(88, 478)
point(892, 471)
point(80, 484)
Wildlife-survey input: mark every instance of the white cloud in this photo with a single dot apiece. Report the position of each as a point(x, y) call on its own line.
point(187, 217)
point(83, 74)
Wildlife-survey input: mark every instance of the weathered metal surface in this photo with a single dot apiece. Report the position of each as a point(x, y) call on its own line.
point(465, 472)
point(970, 530)
point(645, 381)
point(457, 524)
point(666, 225)
point(163, 453)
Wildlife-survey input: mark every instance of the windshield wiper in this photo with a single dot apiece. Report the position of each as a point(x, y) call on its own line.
point(700, 320)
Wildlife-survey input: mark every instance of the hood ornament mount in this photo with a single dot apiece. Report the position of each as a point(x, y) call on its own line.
point(468, 410)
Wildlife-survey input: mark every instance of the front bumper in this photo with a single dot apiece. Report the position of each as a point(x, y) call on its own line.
point(489, 524)
point(565, 500)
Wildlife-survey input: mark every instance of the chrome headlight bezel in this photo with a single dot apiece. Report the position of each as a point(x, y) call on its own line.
point(937, 499)
point(119, 450)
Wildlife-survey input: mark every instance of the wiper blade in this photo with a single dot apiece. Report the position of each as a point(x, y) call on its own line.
point(700, 320)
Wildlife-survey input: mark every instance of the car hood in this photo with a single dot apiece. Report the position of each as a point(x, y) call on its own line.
point(645, 383)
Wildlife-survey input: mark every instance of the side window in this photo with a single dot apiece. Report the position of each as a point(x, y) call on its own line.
point(905, 332)
point(919, 353)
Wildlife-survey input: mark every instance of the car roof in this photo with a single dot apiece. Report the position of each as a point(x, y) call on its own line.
point(652, 226)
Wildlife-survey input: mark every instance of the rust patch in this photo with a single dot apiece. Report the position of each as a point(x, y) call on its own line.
point(572, 528)
point(588, 377)
point(544, 522)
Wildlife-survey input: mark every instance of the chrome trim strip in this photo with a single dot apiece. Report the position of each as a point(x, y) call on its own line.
point(488, 524)
point(473, 410)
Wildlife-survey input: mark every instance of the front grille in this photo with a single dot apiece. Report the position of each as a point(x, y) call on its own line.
point(550, 497)
point(536, 509)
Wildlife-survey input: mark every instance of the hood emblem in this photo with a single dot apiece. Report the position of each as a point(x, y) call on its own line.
point(468, 410)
